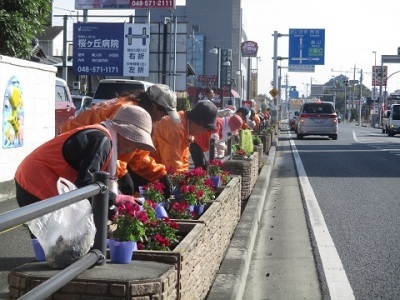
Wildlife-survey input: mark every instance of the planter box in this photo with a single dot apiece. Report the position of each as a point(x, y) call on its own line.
point(267, 141)
point(137, 280)
point(247, 169)
point(186, 272)
point(260, 150)
point(199, 256)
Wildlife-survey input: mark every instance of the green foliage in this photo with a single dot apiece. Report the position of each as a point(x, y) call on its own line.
point(182, 104)
point(256, 140)
point(20, 22)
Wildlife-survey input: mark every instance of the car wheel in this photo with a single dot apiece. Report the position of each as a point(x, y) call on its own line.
point(390, 133)
point(334, 137)
point(299, 136)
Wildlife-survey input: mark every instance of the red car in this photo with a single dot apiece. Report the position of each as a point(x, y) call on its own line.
point(64, 106)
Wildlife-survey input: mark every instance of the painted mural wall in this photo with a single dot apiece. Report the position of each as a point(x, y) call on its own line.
point(27, 93)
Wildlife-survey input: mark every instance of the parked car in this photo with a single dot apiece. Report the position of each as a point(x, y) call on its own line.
point(81, 103)
point(393, 120)
point(385, 121)
point(317, 118)
point(111, 88)
point(64, 106)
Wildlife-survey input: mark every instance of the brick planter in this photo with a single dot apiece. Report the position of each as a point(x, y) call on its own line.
point(266, 139)
point(201, 257)
point(247, 169)
point(137, 280)
point(187, 272)
point(260, 150)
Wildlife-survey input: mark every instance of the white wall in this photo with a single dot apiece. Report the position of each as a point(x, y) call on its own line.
point(38, 85)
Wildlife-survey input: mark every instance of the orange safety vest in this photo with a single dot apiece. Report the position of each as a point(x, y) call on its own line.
point(139, 160)
point(39, 171)
point(171, 141)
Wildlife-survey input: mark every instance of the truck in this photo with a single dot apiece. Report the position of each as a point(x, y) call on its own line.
point(294, 106)
point(391, 120)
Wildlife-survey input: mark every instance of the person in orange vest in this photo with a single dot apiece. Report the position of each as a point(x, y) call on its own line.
point(77, 154)
point(225, 125)
point(172, 140)
point(136, 168)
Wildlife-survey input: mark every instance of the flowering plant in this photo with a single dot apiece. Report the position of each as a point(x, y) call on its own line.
point(240, 152)
point(225, 178)
point(180, 210)
point(215, 167)
point(129, 223)
point(161, 234)
point(155, 191)
point(194, 187)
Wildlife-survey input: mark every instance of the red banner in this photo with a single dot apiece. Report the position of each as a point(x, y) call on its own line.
point(207, 78)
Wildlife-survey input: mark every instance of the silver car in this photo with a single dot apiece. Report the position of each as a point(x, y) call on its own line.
point(317, 118)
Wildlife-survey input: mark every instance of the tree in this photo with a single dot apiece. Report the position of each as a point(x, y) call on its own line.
point(20, 22)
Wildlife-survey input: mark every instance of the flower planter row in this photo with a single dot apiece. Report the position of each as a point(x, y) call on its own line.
point(248, 169)
point(187, 272)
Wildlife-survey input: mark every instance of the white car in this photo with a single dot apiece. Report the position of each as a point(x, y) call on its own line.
point(317, 118)
point(112, 88)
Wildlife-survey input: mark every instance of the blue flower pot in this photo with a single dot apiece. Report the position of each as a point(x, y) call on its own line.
point(197, 209)
point(121, 252)
point(216, 180)
point(160, 211)
point(38, 249)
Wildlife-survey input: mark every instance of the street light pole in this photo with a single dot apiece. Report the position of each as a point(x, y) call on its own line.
point(374, 79)
point(216, 50)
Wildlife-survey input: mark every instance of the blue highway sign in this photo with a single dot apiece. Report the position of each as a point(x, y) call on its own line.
point(306, 46)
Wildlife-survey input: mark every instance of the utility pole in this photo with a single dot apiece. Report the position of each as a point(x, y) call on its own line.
point(359, 112)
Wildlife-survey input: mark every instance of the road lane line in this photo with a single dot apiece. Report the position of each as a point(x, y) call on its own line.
point(335, 275)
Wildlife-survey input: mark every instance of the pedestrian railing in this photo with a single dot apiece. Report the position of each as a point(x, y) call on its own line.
point(228, 152)
point(98, 191)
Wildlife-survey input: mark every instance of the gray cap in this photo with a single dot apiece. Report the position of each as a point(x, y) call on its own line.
point(164, 96)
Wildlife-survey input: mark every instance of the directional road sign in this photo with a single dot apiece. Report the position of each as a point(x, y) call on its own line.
point(306, 46)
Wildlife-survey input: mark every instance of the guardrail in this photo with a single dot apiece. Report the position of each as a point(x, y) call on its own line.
point(98, 190)
point(228, 151)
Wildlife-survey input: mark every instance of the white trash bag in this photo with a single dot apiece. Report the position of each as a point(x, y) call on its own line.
point(66, 234)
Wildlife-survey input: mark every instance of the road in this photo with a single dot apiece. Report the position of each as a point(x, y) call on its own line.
point(355, 180)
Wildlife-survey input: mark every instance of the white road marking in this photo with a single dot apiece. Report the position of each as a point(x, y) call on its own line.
point(336, 278)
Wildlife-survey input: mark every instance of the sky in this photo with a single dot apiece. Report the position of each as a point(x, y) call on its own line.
point(354, 29)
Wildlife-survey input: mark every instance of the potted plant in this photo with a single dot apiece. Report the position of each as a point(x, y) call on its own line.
point(239, 153)
point(214, 169)
point(161, 235)
point(128, 227)
point(193, 187)
point(154, 191)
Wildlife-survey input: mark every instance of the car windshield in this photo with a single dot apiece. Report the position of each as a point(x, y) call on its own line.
point(112, 90)
point(61, 94)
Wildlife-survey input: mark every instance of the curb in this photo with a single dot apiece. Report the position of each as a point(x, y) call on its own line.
point(230, 281)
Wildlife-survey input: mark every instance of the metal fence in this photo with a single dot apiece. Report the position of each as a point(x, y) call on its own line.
point(98, 191)
point(214, 143)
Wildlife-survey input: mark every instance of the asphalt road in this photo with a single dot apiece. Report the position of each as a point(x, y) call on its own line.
point(355, 180)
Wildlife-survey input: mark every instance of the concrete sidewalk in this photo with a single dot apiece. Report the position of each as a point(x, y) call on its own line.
point(230, 281)
point(270, 255)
